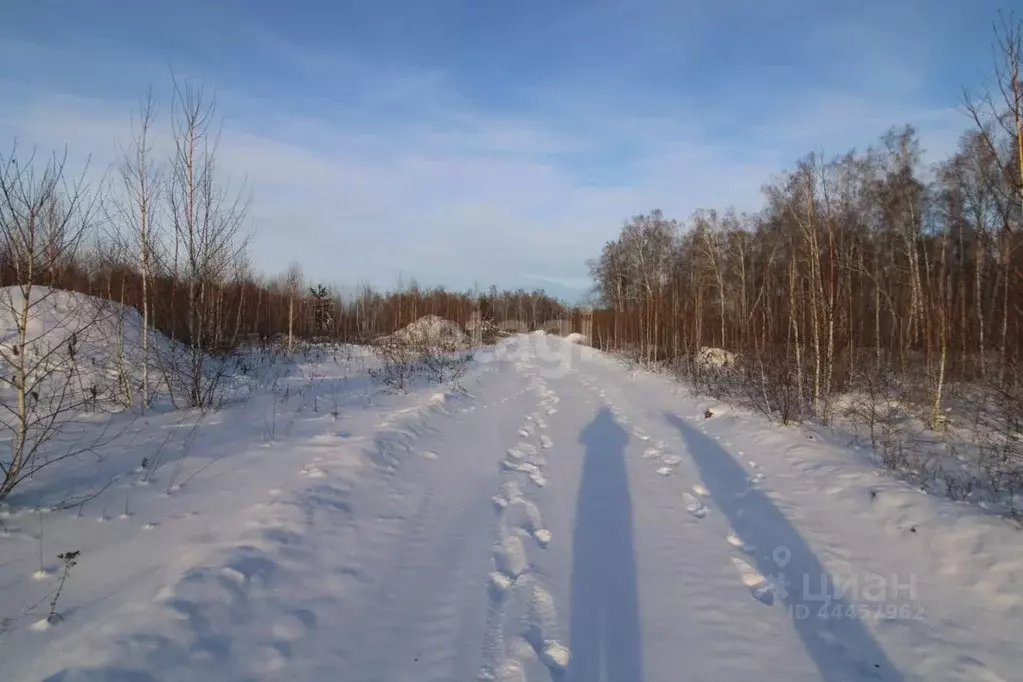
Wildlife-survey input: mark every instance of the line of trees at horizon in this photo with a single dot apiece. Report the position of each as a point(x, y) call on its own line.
point(164, 232)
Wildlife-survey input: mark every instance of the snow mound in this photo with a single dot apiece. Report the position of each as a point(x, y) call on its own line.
point(432, 331)
point(74, 347)
point(576, 337)
point(715, 358)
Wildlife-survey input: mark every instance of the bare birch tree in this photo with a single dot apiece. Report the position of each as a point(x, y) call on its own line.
point(207, 220)
point(44, 219)
point(137, 214)
point(293, 285)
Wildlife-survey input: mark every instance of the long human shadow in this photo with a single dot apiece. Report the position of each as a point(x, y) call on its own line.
point(781, 552)
point(605, 633)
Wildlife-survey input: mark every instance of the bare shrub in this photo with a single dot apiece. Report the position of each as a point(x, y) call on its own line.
point(876, 404)
point(207, 220)
point(998, 437)
point(403, 358)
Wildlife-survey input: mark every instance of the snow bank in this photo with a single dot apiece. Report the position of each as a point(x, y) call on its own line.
point(74, 345)
point(576, 337)
point(433, 331)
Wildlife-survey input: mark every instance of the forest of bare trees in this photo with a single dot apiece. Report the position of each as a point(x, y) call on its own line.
point(856, 264)
point(867, 272)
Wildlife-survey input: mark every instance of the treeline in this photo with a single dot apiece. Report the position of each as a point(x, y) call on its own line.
point(860, 267)
point(263, 306)
point(164, 233)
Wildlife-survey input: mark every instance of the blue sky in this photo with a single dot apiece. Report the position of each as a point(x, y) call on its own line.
point(462, 141)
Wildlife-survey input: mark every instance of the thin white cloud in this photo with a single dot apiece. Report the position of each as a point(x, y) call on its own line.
point(462, 196)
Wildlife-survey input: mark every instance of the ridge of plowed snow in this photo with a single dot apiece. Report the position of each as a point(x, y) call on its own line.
point(81, 340)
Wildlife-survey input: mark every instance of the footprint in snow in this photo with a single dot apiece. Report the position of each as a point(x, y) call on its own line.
point(555, 656)
point(522, 450)
point(510, 557)
point(499, 583)
point(651, 453)
point(522, 467)
point(671, 460)
point(737, 542)
point(700, 490)
point(761, 589)
point(543, 537)
point(694, 506)
point(507, 671)
point(292, 627)
point(314, 472)
point(546, 442)
point(665, 471)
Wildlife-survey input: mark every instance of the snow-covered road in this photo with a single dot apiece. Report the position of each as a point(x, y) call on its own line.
point(568, 519)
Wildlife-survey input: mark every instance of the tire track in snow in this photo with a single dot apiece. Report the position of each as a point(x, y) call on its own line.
point(422, 605)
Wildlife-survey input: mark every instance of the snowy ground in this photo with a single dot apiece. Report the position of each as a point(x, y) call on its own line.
point(565, 519)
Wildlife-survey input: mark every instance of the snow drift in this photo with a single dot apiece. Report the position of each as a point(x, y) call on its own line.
point(73, 346)
point(432, 331)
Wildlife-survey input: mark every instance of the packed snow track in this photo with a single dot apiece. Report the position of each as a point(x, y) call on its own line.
point(563, 518)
